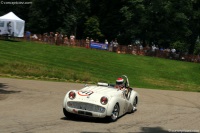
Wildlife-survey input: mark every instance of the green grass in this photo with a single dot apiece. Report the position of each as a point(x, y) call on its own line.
point(61, 63)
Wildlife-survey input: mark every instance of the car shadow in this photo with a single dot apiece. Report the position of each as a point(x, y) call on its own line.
point(3, 90)
point(86, 119)
point(89, 119)
point(153, 130)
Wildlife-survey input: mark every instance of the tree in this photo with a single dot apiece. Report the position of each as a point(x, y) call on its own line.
point(45, 16)
point(62, 16)
point(110, 18)
point(162, 22)
point(194, 25)
point(92, 28)
point(165, 23)
point(134, 21)
point(197, 47)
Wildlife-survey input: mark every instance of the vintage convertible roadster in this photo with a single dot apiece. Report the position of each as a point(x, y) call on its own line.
point(102, 100)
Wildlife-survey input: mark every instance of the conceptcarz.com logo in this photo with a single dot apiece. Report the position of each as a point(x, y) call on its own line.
point(15, 3)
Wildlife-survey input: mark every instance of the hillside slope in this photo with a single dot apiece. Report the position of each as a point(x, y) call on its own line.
point(49, 62)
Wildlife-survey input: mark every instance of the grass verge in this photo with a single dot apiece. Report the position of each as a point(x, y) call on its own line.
point(61, 63)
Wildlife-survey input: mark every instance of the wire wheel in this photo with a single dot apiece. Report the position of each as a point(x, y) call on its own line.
point(134, 105)
point(115, 113)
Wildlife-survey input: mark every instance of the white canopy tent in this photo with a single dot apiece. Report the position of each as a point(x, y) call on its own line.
point(11, 25)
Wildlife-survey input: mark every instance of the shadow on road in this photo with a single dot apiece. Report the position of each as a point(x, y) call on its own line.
point(3, 90)
point(153, 130)
point(86, 119)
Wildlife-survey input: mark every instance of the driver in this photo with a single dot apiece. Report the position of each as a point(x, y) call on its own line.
point(120, 83)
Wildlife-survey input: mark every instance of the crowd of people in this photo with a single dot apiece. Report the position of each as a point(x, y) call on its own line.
point(52, 38)
point(135, 49)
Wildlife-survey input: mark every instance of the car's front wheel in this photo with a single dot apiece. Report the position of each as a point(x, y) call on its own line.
point(115, 113)
point(67, 114)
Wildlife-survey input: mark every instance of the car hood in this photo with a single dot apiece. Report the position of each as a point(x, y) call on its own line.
point(93, 94)
point(104, 91)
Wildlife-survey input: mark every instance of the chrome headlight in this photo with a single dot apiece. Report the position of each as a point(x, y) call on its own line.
point(72, 95)
point(104, 100)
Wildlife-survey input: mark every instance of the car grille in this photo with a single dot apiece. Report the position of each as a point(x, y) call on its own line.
point(86, 106)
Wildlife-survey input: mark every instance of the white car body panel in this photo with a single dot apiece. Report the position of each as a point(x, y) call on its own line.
point(90, 96)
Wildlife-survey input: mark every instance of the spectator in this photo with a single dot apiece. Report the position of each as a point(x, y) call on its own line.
point(9, 27)
point(111, 46)
point(173, 53)
point(56, 38)
point(87, 42)
point(115, 45)
point(39, 37)
point(153, 50)
point(51, 37)
point(173, 50)
point(141, 49)
point(28, 35)
point(91, 40)
point(161, 49)
point(72, 40)
point(60, 39)
point(45, 36)
point(106, 41)
point(66, 40)
point(147, 49)
point(134, 51)
point(34, 37)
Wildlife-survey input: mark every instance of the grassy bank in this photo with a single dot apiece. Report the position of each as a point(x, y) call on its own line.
point(48, 62)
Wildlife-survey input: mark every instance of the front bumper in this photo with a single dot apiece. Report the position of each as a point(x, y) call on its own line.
point(86, 109)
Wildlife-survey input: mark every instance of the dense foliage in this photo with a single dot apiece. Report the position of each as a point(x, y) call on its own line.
point(166, 23)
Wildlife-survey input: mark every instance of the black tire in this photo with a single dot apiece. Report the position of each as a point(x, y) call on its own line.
point(134, 105)
point(67, 114)
point(115, 114)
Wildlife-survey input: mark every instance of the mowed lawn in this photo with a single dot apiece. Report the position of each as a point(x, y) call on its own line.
point(73, 64)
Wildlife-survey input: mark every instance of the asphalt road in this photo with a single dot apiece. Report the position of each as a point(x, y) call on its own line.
point(28, 106)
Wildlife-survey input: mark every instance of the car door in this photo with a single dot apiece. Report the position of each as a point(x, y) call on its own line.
point(125, 103)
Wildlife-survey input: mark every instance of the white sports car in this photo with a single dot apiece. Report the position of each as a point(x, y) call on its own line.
point(102, 100)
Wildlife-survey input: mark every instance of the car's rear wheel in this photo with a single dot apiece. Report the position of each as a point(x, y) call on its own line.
point(115, 113)
point(67, 114)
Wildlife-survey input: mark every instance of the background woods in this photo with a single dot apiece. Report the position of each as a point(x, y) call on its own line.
point(166, 23)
